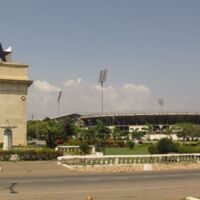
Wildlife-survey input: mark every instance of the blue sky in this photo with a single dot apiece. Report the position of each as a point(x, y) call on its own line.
point(155, 44)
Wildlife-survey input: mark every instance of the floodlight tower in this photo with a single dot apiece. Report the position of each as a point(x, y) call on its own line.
point(161, 103)
point(59, 97)
point(102, 79)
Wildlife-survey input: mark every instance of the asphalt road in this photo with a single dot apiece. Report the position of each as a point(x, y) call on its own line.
point(168, 185)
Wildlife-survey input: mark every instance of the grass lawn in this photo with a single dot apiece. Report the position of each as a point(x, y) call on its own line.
point(142, 149)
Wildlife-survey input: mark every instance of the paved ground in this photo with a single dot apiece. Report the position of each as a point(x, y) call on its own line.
point(46, 180)
point(50, 168)
point(32, 168)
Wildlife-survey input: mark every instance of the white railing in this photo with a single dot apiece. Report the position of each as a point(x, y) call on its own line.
point(73, 149)
point(127, 160)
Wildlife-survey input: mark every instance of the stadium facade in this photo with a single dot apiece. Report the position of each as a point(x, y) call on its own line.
point(135, 121)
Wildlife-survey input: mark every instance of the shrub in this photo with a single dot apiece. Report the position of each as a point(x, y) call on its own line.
point(153, 149)
point(114, 143)
point(140, 142)
point(166, 145)
point(131, 144)
point(75, 141)
point(30, 154)
point(120, 143)
point(163, 146)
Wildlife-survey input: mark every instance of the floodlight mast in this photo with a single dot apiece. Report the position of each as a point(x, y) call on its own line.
point(102, 79)
point(59, 97)
point(161, 103)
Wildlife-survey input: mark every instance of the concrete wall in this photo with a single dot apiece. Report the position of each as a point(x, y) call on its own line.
point(14, 84)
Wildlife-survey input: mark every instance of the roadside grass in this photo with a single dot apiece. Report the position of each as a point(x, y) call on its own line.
point(137, 150)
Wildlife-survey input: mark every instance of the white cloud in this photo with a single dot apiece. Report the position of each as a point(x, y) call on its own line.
point(44, 86)
point(72, 82)
point(79, 96)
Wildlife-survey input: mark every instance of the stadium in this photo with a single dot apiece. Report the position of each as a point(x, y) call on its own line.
point(134, 121)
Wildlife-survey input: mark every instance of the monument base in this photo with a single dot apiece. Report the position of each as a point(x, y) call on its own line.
point(7, 140)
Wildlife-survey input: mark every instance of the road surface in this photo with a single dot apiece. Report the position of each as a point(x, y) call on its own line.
point(168, 185)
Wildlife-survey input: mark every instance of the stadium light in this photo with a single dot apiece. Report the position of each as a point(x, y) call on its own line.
point(59, 97)
point(102, 79)
point(161, 103)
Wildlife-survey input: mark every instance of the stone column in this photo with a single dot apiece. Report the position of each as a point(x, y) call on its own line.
point(7, 140)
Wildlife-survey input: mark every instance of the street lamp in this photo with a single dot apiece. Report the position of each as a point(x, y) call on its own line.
point(102, 79)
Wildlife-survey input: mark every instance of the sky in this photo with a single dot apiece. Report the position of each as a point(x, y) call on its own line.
point(151, 49)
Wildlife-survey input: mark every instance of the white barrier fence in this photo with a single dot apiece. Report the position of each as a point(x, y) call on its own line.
point(73, 149)
point(128, 159)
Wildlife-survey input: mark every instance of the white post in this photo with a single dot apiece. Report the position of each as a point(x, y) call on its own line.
point(93, 149)
point(7, 140)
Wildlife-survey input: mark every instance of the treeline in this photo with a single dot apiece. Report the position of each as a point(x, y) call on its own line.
point(66, 132)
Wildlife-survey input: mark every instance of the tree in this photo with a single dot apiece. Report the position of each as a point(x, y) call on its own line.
point(102, 133)
point(116, 134)
point(169, 130)
point(138, 135)
point(149, 131)
point(47, 129)
point(131, 144)
point(188, 131)
point(32, 129)
point(54, 130)
point(70, 129)
point(87, 135)
point(125, 135)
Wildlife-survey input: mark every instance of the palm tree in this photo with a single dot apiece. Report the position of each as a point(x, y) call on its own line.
point(149, 130)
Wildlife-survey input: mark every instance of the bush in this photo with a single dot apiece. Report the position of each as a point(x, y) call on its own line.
point(131, 144)
point(166, 145)
point(25, 155)
point(153, 149)
point(120, 143)
point(163, 146)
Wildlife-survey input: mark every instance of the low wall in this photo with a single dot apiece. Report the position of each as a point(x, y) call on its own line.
point(73, 149)
point(127, 160)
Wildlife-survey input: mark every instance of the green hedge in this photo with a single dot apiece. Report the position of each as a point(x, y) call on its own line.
point(25, 155)
point(164, 146)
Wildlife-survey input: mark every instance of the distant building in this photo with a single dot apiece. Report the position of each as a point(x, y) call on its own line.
point(14, 83)
point(136, 121)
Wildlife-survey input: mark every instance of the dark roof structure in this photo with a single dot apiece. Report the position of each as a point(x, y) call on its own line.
point(123, 119)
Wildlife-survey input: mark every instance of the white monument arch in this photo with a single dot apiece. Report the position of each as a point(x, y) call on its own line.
point(14, 83)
